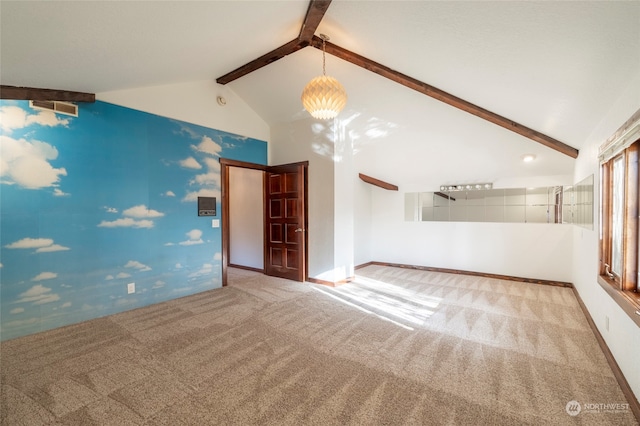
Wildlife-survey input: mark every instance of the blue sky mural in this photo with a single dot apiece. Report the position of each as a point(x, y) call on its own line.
point(91, 203)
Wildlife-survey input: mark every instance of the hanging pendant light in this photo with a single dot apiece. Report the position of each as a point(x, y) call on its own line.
point(324, 97)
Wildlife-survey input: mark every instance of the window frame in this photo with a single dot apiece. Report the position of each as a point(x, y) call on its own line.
point(624, 288)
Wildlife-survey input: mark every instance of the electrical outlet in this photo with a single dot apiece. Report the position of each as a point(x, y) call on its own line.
point(131, 288)
point(606, 322)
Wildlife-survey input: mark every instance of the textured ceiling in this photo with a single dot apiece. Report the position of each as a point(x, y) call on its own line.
point(556, 67)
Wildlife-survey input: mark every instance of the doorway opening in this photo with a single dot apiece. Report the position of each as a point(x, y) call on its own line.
point(283, 209)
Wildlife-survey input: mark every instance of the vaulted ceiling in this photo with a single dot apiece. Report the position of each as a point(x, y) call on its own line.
point(556, 67)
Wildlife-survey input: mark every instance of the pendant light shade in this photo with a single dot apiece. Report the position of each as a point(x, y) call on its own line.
point(324, 97)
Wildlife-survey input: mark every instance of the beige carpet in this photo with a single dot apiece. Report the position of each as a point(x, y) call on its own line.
point(396, 347)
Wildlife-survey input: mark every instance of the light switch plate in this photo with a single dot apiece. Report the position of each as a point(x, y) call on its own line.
point(215, 223)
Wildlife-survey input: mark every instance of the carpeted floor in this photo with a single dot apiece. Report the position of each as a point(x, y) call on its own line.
point(397, 346)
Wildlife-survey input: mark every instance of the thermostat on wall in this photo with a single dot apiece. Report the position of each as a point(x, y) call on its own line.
point(206, 206)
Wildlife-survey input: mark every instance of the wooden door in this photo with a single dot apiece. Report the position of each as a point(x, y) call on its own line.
point(285, 224)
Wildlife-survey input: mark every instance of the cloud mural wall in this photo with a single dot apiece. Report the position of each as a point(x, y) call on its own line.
point(94, 202)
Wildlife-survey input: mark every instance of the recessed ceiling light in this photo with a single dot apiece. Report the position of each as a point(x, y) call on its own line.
point(527, 158)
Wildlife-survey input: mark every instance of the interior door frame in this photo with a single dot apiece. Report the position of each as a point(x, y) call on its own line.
point(284, 246)
point(225, 217)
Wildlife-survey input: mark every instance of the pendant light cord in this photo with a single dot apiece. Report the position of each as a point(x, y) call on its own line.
point(324, 69)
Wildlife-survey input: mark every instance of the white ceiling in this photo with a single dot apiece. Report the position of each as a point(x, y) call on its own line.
point(554, 66)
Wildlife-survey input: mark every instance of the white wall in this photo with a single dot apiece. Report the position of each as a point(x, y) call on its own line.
point(528, 250)
point(344, 205)
point(246, 218)
point(623, 337)
point(362, 228)
point(194, 102)
point(309, 140)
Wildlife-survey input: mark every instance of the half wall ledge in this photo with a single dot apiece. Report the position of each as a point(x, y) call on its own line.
point(377, 182)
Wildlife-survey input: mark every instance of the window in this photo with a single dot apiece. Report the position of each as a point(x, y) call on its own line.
point(619, 238)
point(617, 215)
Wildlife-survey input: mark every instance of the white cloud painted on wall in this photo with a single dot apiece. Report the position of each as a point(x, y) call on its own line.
point(27, 164)
point(126, 222)
point(212, 164)
point(194, 234)
point(136, 217)
point(52, 248)
point(38, 295)
point(169, 194)
point(29, 243)
point(108, 277)
point(43, 245)
point(204, 192)
point(44, 276)
point(141, 211)
point(206, 179)
point(59, 193)
point(206, 269)
point(212, 177)
point(210, 181)
point(194, 237)
point(13, 117)
point(123, 275)
point(16, 311)
point(190, 163)
point(19, 323)
point(188, 130)
point(134, 264)
point(208, 146)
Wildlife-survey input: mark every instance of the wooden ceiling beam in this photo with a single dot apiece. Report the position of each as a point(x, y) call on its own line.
point(445, 97)
point(314, 16)
point(264, 60)
point(34, 94)
point(315, 13)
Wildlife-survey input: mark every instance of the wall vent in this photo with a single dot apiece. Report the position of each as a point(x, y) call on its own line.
point(56, 106)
